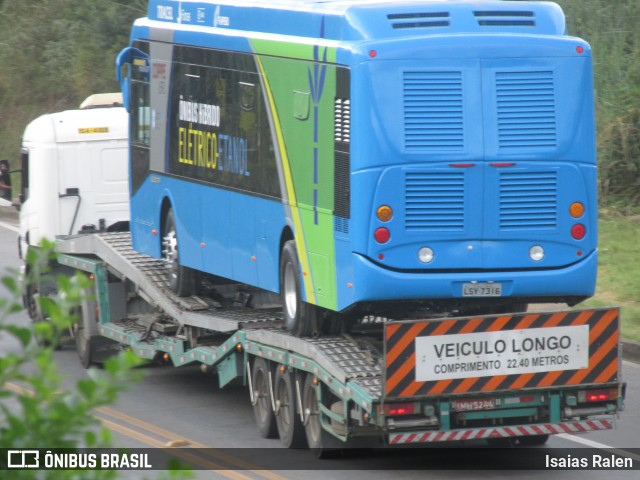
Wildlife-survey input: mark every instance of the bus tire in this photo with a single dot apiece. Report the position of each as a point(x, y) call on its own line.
point(262, 411)
point(299, 316)
point(290, 428)
point(321, 443)
point(181, 279)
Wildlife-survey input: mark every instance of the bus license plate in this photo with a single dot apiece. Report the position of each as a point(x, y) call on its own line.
point(469, 404)
point(481, 289)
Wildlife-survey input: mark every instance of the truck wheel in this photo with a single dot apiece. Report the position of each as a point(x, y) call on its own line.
point(290, 428)
point(262, 410)
point(83, 340)
point(181, 279)
point(299, 316)
point(31, 301)
point(321, 443)
point(533, 440)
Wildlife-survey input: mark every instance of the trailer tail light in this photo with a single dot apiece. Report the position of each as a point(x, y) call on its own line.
point(399, 409)
point(602, 395)
point(578, 231)
point(382, 235)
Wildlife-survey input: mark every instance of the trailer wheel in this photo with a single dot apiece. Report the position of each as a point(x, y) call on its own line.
point(262, 410)
point(290, 428)
point(299, 316)
point(321, 443)
point(533, 440)
point(181, 279)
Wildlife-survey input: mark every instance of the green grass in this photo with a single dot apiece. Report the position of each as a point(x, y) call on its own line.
point(619, 269)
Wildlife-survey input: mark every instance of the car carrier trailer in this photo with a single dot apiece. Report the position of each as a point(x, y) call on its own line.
point(503, 377)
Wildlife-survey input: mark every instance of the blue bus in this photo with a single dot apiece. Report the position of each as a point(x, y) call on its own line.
point(363, 156)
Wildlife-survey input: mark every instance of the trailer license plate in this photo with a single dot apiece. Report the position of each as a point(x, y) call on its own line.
point(468, 404)
point(481, 289)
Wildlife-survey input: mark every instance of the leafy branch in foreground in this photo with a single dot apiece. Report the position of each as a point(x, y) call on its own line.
point(37, 410)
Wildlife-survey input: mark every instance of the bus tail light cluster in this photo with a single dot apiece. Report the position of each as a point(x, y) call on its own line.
point(384, 213)
point(578, 231)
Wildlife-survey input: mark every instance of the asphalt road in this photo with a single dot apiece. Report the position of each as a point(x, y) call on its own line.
point(183, 406)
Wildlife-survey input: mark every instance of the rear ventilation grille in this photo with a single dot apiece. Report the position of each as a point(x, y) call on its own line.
point(434, 201)
point(528, 200)
point(526, 109)
point(341, 225)
point(433, 111)
point(342, 119)
point(498, 18)
point(342, 185)
point(419, 20)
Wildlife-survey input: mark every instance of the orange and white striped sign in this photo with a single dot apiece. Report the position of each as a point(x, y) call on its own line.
point(501, 352)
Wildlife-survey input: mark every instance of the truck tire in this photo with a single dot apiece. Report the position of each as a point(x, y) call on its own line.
point(31, 301)
point(290, 428)
point(299, 316)
point(321, 443)
point(181, 279)
point(262, 411)
point(84, 343)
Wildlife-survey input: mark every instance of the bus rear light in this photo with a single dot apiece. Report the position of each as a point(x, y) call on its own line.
point(384, 213)
point(578, 231)
point(382, 235)
point(536, 253)
point(425, 255)
point(576, 210)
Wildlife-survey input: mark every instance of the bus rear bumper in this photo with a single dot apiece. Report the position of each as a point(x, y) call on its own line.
point(372, 282)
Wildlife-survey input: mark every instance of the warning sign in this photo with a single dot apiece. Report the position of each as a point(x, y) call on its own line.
point(505, 352)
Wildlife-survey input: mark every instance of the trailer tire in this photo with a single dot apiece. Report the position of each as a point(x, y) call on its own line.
point(533, 440)
point(262, 411)
point(181, 279)
point(290, 428)
point(299, 316)
point(321, 443)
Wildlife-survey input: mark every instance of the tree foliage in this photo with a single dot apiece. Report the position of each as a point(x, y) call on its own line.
point(55, 53)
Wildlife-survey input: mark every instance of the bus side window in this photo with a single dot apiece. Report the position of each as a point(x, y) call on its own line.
point(140, 103)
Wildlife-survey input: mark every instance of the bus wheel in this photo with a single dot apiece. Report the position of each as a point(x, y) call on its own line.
point(299, 316)
point(290, 428)
point(321, 443)
point(261, 399)
point(181, 279)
